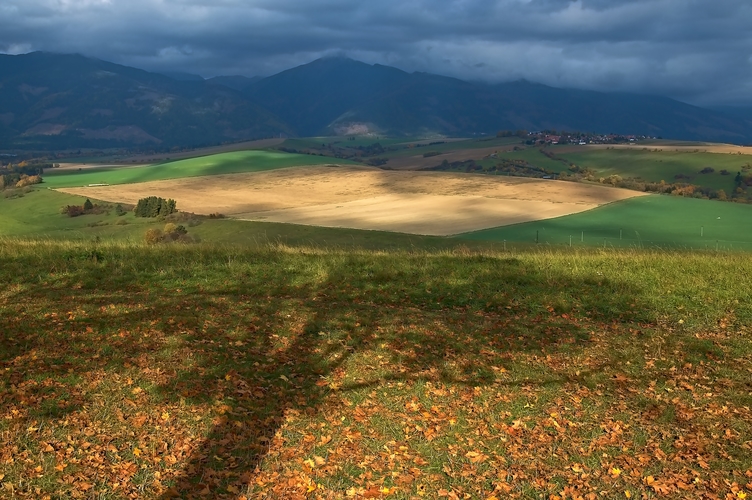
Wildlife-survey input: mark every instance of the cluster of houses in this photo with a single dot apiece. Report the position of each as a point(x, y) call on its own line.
point(582, 138)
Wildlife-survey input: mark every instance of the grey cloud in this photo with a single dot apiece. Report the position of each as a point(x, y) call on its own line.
point(695, 50)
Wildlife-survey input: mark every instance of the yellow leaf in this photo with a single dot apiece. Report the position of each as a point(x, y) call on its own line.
point(137, 390)
point(741, 495)
point(137, 452)
point(310, 463)
point(311, 487)
point(615, 471)
point(628, 494)
point(165, 416)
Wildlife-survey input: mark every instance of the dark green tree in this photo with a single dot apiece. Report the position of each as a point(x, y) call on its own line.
point(88, 205)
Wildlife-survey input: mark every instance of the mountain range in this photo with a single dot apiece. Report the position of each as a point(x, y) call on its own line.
point(58, 101)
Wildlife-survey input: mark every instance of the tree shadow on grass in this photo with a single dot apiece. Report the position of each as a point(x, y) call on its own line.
point(452, 334)
point(269, 333)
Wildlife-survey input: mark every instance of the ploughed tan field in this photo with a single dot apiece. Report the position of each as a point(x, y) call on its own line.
point(430, 203)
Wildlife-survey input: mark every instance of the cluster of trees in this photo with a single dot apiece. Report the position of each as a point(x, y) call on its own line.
point(16, 180)
point(23, 174)
point(76, 210)
point(154, 206)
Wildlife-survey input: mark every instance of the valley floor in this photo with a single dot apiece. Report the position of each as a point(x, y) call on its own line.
point(428, 203)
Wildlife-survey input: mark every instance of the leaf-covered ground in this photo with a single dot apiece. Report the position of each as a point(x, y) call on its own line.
point(203, 372)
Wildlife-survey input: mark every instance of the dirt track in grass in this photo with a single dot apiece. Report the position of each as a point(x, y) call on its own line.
point(430, 203)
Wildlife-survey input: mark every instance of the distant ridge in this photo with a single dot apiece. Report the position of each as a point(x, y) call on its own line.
point(334, 94)
point(56, 101)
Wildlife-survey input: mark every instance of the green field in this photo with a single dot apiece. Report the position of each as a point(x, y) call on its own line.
point(648, 221)
point(655, 166)
point(224, 163)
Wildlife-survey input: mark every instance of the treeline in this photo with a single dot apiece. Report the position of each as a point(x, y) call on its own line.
point(16, 180)
point(154, 206)
point(516, 168)
point(22, 174)
point(511, 133)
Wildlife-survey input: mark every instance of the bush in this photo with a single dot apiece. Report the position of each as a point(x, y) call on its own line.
point(153, 236)
point(88, 205)
point(707, 170)
point(171, 232)
point(119, 210)
point(73, 210)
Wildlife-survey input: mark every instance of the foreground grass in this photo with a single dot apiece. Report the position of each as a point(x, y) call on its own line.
point(194, 371)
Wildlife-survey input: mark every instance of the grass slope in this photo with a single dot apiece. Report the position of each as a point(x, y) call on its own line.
point(663, 221)
point(655, 166)
point(201, 371)
point(37, 215)
point(224, 163)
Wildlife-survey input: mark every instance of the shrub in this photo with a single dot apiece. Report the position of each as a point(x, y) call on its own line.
point(153, 236)
point(707, 170)
point(88, 205)
point(73, 210)
point(119, 210)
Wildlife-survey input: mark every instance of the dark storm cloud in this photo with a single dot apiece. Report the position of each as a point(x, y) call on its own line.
point(696, 50)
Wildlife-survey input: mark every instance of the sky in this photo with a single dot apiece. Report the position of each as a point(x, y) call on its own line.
point(698, 51)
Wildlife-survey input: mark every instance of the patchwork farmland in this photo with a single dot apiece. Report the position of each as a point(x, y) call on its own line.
point(429, 203)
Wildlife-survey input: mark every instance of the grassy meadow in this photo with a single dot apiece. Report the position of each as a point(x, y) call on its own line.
point(223, 163)
point(282, 361)
point(647, 221)
point(655, 166)
point(208, 371)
